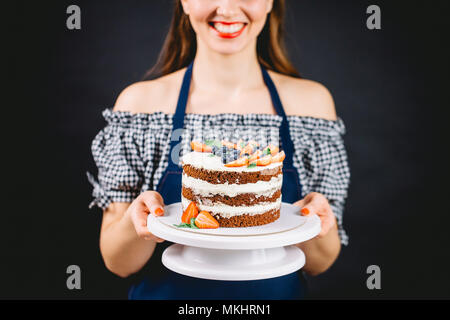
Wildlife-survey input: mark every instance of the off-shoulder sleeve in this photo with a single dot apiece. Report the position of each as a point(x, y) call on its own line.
point(115, 150)
point(125, 152)
point(321, 160)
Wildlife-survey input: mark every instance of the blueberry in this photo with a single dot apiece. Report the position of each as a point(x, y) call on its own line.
point(214, 149)
point(230, 157)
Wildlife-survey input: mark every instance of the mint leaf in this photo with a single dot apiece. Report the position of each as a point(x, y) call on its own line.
point(251, 165)
point(182, 225)
point(266, 151)
point(193, 226)
point(211, 143)
point(187, 225)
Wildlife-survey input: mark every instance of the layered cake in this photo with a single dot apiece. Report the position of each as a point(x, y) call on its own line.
point(238, 184)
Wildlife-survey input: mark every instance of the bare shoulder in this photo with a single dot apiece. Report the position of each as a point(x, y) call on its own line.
point(151, 96)
point(302, 97)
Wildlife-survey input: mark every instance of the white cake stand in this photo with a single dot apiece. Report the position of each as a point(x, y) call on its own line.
point(251, 253)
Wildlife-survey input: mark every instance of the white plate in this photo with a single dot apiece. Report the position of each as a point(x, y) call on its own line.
point(290, 218)
point(291, 228)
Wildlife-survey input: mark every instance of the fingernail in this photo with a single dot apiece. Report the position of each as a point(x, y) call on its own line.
point(305, 211)
point(159, 211)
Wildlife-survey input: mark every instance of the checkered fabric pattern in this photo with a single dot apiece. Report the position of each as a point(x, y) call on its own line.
point(132, 151)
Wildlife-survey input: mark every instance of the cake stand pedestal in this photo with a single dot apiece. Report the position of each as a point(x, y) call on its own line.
point(251, 253)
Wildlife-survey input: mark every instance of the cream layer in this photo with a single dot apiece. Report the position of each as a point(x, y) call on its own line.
point(230, 211)
point(260, 188)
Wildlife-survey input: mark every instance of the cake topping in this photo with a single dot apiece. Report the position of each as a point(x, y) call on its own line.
point(205, 220)
point(279, 157)
point(248, 149)
point(200, 147)
point(240, 154)
point(190, 212)
point(271, 149)
point(238, 162)
point(256, 155)
point(229, 144)
point(191, 218)
point(264, 161)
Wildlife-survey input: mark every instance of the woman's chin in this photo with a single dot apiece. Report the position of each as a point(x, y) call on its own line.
point(227, 49)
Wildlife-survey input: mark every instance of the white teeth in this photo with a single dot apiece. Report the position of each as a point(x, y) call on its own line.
point(232, 28)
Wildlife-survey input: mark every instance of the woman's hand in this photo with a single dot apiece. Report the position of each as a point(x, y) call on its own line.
point(317, 203)
point(148, 202)
point(323, 250)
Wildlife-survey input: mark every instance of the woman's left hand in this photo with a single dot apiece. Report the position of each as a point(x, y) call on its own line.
point(317, 203)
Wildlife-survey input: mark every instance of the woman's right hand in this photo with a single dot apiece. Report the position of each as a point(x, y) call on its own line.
point(148, 202)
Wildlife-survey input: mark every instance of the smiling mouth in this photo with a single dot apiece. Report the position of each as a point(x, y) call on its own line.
point(228, 29)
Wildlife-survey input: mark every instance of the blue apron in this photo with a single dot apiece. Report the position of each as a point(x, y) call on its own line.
point(161, 283)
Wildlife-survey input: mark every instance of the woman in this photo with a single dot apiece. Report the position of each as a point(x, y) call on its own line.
point(227, 57)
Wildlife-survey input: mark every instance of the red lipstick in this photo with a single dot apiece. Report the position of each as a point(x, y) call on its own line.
point(228, 35)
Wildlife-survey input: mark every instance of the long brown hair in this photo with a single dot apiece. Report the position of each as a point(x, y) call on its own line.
point(180, 44)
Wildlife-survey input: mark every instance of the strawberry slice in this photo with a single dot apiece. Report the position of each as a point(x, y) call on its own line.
point(247, 149)
point(273, 150)
point(279, 157)
point(254, 143)
point(229, 144)
point(264, 161)
point(256, 155)
point(205, 220)
point(237, 163)
point(197, 146)
point(190, 212)
point(200, 147)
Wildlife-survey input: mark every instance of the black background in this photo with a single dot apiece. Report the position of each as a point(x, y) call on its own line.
point(389, 86)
